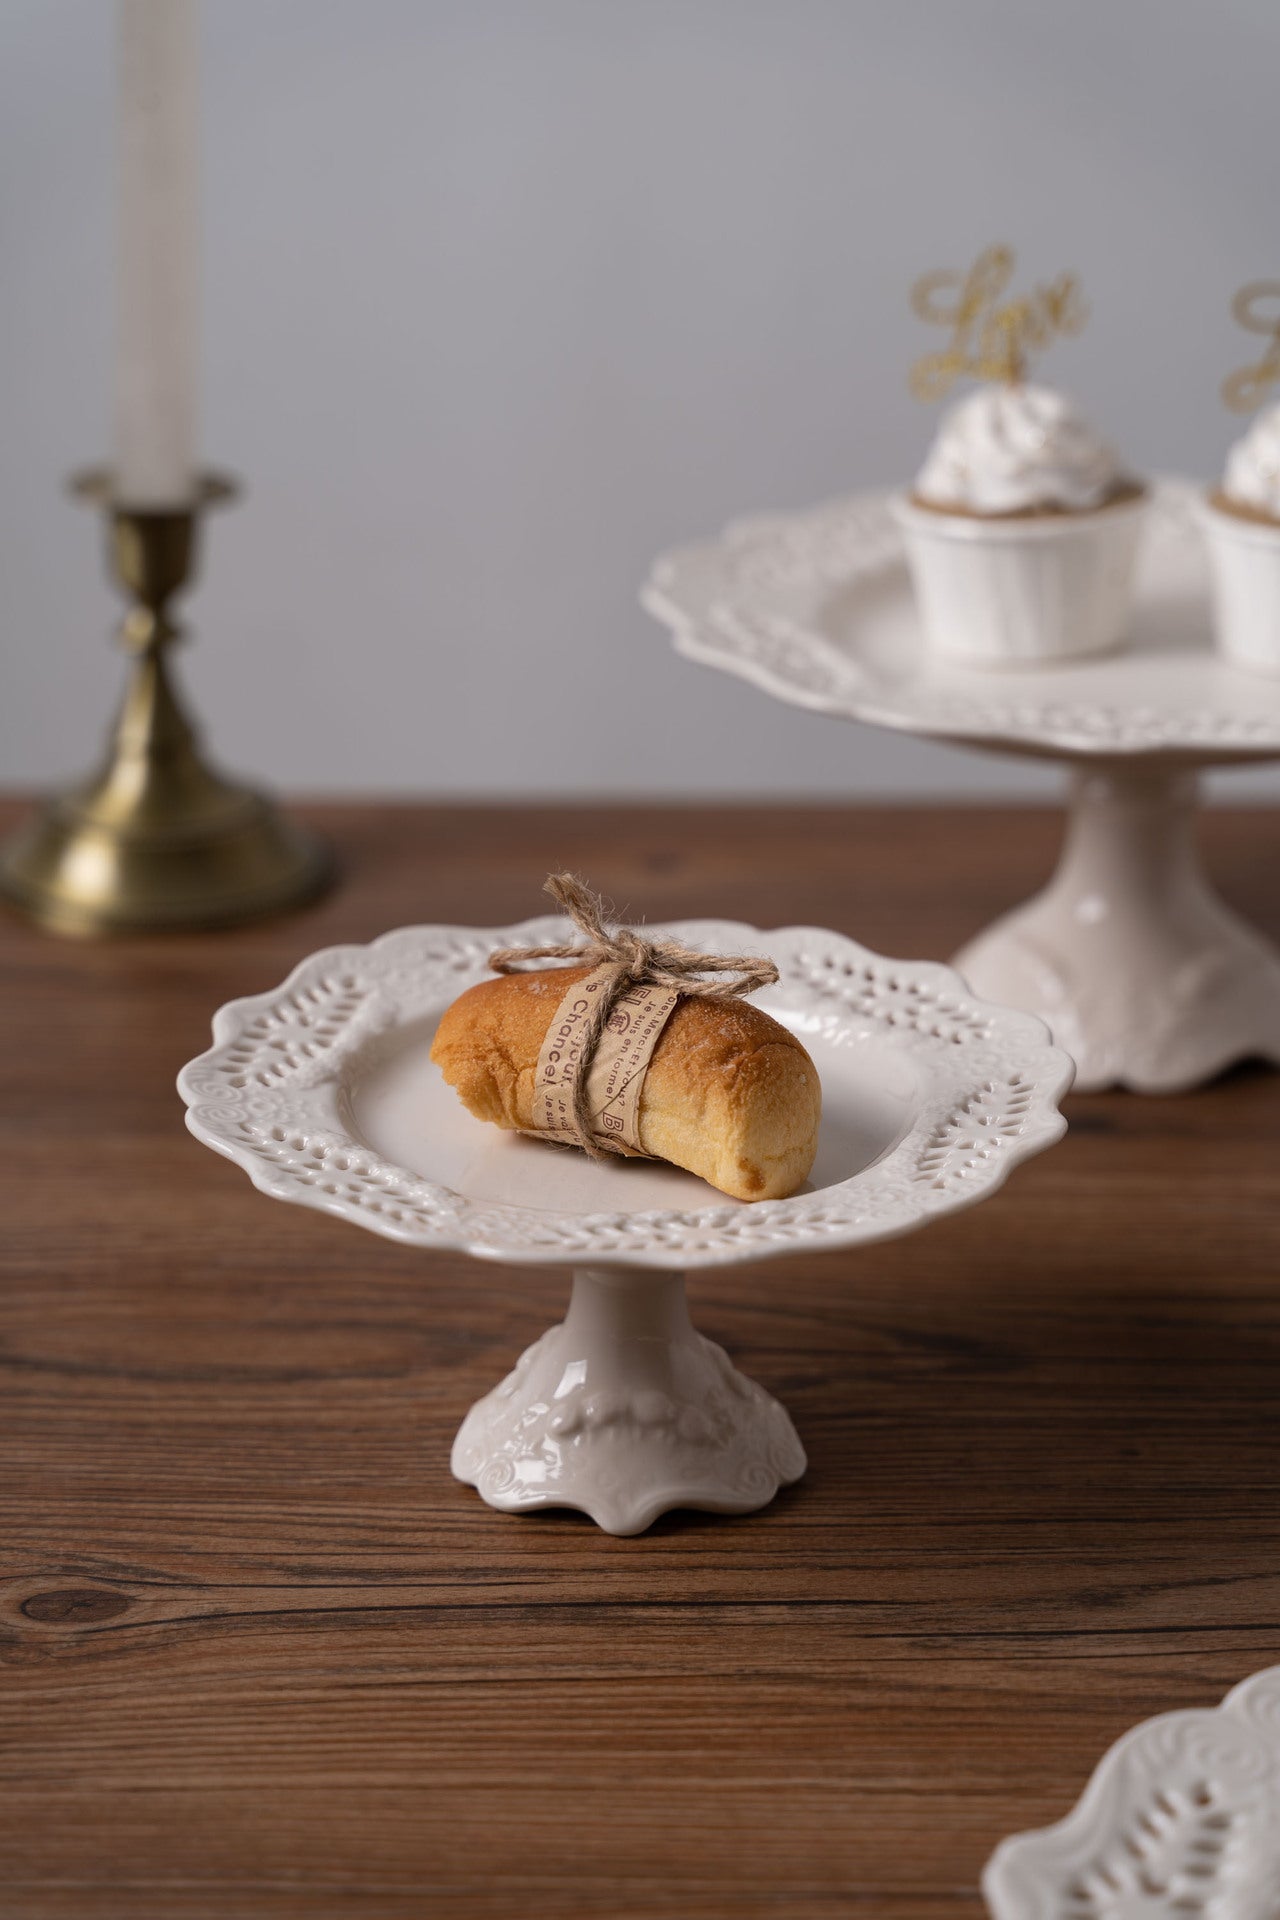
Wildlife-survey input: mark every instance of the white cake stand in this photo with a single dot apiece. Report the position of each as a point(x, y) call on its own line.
point(1141, 971)
point(323, 1092)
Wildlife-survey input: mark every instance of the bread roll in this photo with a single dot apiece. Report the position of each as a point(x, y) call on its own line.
point(729, 1094)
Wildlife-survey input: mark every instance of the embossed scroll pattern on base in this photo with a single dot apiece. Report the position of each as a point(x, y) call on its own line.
point(625, 1411)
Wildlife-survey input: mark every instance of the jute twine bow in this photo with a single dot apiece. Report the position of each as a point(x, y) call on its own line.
point(631, 959)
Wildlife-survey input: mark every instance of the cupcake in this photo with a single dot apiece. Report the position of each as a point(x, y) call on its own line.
point(1242, 521)
point(1021, 532)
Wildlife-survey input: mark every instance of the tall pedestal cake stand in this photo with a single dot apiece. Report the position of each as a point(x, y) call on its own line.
point(1146, 977)
point(322, 1090)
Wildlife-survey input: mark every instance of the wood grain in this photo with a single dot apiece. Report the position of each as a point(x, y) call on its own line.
point(263, 1657)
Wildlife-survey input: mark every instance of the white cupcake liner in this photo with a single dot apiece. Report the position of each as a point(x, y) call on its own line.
point(1004, 592)
point(1244, 558)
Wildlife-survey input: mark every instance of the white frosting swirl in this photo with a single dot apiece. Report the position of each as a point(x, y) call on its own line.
point(1253, 466)
point(1007, 449)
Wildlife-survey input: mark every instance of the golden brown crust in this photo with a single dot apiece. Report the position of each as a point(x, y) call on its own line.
point(1123, 493)
point(1241, 509)
point(730, 1094)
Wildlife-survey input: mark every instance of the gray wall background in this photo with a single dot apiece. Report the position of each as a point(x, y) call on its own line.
point(504, 296)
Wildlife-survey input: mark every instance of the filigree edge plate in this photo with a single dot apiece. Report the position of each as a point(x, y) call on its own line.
point(768, 601)
point(1181, 1817)
point(272, 1094)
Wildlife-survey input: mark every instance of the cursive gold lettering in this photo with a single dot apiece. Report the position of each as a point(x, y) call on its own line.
point(1257, 309)
point(989, 340)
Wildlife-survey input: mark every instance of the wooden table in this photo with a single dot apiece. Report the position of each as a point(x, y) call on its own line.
point(263, 1657)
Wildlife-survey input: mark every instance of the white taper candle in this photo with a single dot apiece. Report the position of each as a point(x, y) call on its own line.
point(155, 449)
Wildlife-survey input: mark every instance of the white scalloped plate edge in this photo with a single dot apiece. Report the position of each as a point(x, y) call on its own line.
point(269, 1096)
point(1180, 1817)
point(720, 622)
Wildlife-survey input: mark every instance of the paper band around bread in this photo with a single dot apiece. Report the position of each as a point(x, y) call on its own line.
point(615, 1066)
point(729, 1094)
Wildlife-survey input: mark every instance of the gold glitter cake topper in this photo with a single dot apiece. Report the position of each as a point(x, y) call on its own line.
point(991, 339)
point(1248, 387)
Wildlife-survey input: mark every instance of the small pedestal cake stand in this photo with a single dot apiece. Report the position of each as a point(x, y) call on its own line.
point(1141, 971)
point(324, 1093)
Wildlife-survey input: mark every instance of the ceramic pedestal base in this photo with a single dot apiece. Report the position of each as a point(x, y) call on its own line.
point(1143, 974)
point(625, 1411)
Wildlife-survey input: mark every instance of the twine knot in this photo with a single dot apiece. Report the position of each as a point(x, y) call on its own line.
point(628, 958)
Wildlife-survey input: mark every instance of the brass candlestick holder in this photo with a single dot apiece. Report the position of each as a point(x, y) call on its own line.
point(156, 839)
